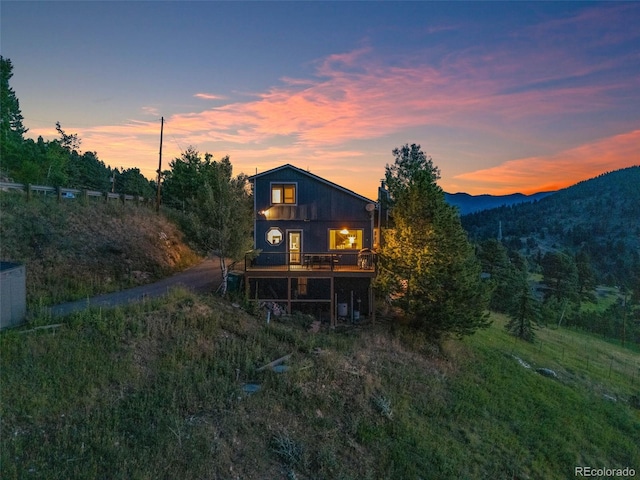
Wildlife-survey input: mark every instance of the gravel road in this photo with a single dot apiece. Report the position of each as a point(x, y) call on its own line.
point(202, 278)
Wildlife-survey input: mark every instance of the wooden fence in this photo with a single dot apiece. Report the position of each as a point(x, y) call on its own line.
point(70, 193)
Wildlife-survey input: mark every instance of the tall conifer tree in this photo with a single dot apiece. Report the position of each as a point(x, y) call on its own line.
point(428, 267)
point(11, 128)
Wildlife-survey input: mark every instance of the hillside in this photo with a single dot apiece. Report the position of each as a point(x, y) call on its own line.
point(467, 204)
point(600, 216)
point(175, 389)
point(72, 250)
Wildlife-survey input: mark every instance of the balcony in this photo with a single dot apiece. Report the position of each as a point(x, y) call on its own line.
point(363, 262)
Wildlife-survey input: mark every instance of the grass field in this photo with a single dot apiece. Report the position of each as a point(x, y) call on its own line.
point(163, 390)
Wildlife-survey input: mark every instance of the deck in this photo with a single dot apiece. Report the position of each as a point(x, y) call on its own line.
point(350, 264)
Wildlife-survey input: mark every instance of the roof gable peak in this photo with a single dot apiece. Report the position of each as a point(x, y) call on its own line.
point(313, 176)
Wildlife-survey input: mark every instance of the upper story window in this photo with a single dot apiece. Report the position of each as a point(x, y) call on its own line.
point(283, 193)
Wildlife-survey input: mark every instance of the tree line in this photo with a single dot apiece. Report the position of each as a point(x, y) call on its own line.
point(556, 289)
point(58, 162)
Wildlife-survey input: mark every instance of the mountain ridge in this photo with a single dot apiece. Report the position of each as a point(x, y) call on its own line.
point(467, 203)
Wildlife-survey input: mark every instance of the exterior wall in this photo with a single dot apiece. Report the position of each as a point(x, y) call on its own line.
point(319, 208)
point(13, 295)
point(317, 289)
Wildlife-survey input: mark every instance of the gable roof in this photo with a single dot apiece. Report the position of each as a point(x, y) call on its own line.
point(315, 177)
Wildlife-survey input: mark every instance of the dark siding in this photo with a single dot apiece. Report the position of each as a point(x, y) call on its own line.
point(319, 207)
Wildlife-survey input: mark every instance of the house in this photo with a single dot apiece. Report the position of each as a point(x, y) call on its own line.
point(317, 246)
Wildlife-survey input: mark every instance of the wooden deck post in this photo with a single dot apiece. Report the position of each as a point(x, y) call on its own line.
point(372, 304)
point(334, 301)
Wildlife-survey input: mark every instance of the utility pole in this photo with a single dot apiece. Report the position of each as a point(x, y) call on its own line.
point(159, 167)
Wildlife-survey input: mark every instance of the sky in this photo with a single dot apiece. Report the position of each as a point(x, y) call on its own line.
point(505, 97)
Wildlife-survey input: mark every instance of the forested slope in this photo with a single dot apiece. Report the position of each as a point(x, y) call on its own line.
point(599, 217)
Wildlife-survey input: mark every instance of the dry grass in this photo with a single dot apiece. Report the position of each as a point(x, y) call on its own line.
point(73, 251)
point(157, 390)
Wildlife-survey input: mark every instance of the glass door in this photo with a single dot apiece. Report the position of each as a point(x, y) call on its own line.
point(294, 246)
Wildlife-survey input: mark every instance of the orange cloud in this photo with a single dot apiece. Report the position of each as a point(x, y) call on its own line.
point(537, 174)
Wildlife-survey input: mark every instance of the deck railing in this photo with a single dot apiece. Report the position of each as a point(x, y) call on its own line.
point(333, 261)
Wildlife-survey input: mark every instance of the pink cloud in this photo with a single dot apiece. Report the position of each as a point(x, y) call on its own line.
point(552, 172)
point(151, 110)
point(355, 95)
point(209, 96)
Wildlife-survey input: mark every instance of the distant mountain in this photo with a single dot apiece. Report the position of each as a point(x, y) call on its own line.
point(599, 217)
point(474, 203)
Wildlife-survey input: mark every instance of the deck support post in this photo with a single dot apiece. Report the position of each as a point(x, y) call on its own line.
point(372, 303)
point(334, 304)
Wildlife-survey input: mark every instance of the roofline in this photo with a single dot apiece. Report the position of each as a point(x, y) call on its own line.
point(316, 177)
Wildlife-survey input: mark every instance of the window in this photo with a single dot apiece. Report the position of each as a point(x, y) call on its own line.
point(274, 236)
point(283, 193)
point(345, 239)
point(302, 285)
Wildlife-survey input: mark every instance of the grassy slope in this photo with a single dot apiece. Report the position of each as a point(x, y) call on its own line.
point(73, 250)
point(155, 391)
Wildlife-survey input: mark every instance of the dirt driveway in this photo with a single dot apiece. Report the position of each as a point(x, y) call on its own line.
point(202, 278)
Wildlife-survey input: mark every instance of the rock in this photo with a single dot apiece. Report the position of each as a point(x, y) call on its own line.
point(280, 368)
point(250, 388)
point(522, 362)
point(547, 372)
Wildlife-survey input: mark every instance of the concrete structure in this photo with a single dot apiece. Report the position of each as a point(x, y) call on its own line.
point(13, 294)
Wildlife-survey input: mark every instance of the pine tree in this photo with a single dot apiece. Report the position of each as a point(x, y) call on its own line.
point(428, 267)
point(11, 128)
point(524, 312)
point(500, 271)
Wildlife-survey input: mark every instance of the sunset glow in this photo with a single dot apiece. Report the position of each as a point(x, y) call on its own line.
point(520, 97)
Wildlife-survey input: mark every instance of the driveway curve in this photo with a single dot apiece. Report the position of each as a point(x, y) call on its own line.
point(202, 278)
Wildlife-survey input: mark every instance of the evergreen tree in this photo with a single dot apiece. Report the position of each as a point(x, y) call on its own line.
point(524, 313)
point(524, 309)
point(69, 142)
point(428, 267)
point(88, 171)
point(501, 272)
point(184, 179)
point(11, 128)
point(132, 182)
point(560, 276)
point(586, 276)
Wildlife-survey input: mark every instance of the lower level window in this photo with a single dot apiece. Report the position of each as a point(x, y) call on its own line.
point(345, 239)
